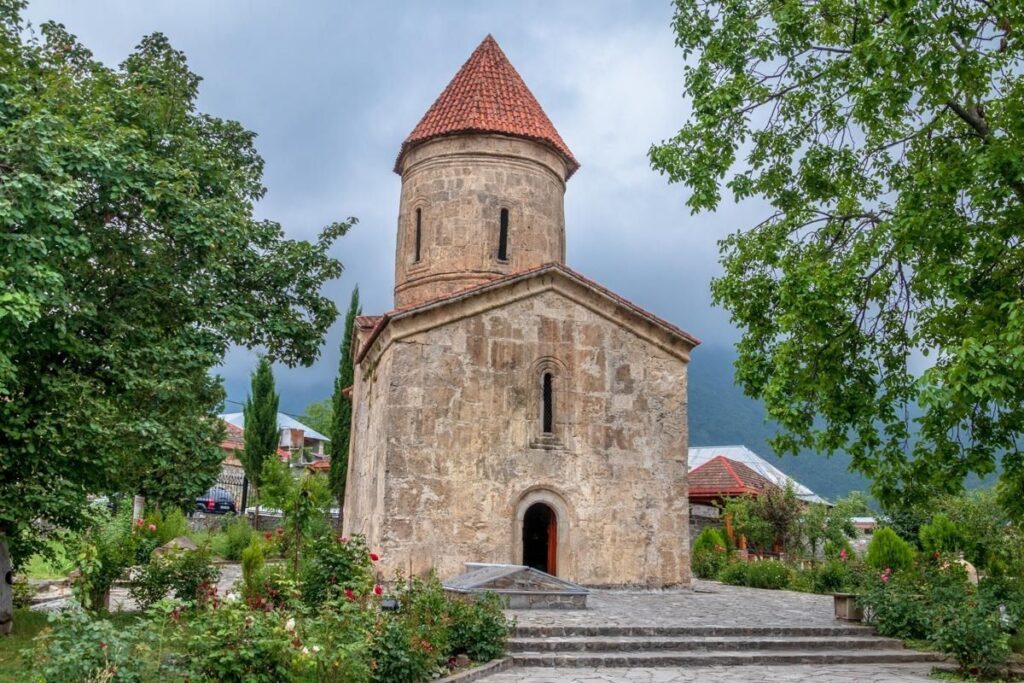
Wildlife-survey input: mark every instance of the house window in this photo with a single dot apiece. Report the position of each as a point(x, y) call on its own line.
point(419, 235)
point(503, 236)
point(547, 404)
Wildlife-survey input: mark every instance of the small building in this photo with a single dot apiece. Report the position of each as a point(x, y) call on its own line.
point(700, 455)
point(299, 445)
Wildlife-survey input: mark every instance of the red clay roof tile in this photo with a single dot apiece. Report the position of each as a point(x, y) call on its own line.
point(723, 477)
point(488, 95)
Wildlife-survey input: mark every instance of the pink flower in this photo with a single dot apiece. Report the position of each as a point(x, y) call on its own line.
point(374, 557)
point(842, 554)
point(349, 594)
point(377, 590)
point(139, 522)
point(152, 527)
point(886, 575)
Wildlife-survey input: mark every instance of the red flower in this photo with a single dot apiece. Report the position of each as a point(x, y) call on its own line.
point(377, 590)
point(349, 594)
point(268, 536)
point(374, 557)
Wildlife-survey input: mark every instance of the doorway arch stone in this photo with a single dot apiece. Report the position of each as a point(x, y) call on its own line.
point(563, 557)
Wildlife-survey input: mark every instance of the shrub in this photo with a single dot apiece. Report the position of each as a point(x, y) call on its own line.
point(78, 648)
point(169, 525)
point(709, 539)
point(185, 574)
point(709, 553)
point(234, 540)
point(479, 627)
point(426, 607)
point(334, 564)
point(941, 535)
point(233, 644)
point(252, 567)
point(972, 632)
point(734, 574)
point(337, 638)
point(835, 550)
point(894, 604)
point(768, 574)
point(833, 576)
point(401, 656)
point(888, 551)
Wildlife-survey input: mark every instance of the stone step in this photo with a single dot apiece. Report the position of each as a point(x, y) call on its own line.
point(689, 631)
point(700, 643)
point(739, 658)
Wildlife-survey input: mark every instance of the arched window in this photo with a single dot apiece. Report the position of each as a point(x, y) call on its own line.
point(503, 236)
point(547, 403)
point(419, 235)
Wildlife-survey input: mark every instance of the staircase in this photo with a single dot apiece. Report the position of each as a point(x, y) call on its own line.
point(628, 646)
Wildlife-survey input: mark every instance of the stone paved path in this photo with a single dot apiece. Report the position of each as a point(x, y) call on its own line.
point(709, 604)
point(864, 673)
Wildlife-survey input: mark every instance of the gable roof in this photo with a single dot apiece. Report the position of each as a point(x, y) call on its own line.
point(488, 95)
point(723, 477)
point(283, 422)
point(557, 269)
point(741, 454)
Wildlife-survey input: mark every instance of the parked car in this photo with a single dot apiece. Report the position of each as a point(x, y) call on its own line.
point(216, 501)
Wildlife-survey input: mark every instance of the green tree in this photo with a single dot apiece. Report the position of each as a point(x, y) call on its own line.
point(887, 141)
point(131, 262)
point(319, 415)
point(261, 435)
point(341, 424)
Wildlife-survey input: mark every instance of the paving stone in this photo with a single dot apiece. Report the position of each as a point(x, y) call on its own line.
point(850, 673)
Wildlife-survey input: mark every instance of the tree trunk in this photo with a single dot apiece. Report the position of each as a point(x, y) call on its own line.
point(6, 589)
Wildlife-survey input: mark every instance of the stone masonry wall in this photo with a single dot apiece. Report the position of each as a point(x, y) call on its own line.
point(461, 447)
point(460, 184)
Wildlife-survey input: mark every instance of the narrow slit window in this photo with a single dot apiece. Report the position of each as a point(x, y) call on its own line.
point(503, 236)
point(419, 234)
point(548, 408)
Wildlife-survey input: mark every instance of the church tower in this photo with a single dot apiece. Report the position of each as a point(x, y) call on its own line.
point(509, 409)
point(483, 184)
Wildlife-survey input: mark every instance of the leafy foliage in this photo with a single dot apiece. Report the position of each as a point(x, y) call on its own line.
point(886, 550)
point(132, 261)
point(479, 627)
point(183, 574)
point(768, 574)
point(261, 434)
point(709, 553)
point(341, 420)
point(336, 564)
point(886, 140)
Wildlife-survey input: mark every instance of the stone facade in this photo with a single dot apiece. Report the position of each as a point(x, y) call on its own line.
point(456, 187)
point(447, 450)
point(509, 410)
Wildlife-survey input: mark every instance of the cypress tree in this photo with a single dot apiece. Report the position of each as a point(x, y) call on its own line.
point(261, 434)
point(341, 420)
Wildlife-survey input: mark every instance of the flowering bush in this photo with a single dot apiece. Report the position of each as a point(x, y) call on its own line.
point(185, 574)
point(479, 627)
point(333, 564)
point(768, 574)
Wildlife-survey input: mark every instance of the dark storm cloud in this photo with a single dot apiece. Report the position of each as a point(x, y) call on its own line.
point(333, 88)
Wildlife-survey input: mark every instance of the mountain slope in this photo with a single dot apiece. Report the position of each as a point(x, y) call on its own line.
point(721, 415)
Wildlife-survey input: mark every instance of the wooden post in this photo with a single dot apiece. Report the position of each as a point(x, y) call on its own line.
point(138, 507)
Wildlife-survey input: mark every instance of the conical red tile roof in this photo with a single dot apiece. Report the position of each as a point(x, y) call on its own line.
point(488, 95)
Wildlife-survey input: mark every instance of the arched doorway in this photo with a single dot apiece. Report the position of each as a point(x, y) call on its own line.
point(540, 538)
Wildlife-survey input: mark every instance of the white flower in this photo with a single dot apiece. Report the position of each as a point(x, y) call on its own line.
point(316, 648)
point(290, 625)
point(305, 651)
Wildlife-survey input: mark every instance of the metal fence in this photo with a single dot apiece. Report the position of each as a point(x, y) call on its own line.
point(232, 480)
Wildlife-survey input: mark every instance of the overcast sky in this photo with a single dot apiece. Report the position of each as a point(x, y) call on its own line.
point(332, 88)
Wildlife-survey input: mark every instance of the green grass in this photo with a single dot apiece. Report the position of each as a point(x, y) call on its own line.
point(55, 567)
point(27, 624)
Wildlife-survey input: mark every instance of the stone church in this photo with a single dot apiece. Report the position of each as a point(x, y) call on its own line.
point(508, 409)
